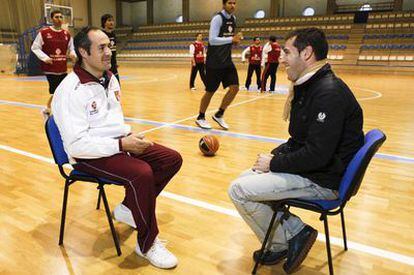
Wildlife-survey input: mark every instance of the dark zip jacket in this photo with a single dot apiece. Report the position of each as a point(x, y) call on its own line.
point(325, 128)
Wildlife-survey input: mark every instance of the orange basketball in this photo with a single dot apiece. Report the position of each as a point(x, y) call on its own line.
point(209, 145)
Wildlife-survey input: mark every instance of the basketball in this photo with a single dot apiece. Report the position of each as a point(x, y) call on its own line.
point(209, 145)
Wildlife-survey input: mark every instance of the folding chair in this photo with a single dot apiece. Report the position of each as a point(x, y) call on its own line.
point(349, 186)
point(61, 158)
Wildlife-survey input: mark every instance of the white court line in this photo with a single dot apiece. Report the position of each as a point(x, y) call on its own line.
point(375, 96)
point(156, 79)
point(230, 212)
point(208, 112)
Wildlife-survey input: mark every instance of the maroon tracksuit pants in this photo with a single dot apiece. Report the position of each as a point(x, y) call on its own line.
point(144, 176)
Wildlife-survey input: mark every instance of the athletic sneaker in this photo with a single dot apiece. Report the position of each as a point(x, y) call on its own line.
point(123, 214)
point(202, 123)
point(158, 255)
point(193, 89)
point(221, 122)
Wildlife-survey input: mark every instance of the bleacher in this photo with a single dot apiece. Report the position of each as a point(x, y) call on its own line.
point(8, 37)
point(387, 38)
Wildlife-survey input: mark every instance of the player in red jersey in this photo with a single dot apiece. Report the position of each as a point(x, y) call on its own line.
point(255, 57)
point(197, 52)
point(50, 46)
point(270, 61)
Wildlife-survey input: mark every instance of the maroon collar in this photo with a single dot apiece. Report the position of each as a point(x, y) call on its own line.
point(86, 77)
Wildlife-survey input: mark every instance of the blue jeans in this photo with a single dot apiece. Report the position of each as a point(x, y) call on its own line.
point(251, 190)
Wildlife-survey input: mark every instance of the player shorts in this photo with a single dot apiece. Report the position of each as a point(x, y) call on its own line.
point(54, 81)
point(227, 76)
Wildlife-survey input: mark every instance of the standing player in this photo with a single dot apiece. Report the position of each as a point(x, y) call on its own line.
point(255, 52)
point(270, 61)
point(108, 26)
point(197, 52)
point(219, 65)
point(50, 46)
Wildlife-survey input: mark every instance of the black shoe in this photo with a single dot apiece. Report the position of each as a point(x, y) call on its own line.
point(299, 247)
point(270, 258)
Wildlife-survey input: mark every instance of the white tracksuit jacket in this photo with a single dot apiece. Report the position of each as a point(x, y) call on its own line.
point(89, 117)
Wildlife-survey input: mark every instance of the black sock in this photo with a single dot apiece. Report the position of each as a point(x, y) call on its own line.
point(201, 116)
point(219, 113)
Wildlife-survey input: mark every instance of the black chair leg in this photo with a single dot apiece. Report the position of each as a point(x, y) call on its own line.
point(111, 224)
point(344, 230)
point(63, 215)
point(261, 253)
point(328, 244)
point(98, 204)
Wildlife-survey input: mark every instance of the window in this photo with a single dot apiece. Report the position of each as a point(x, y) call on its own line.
point(179, 19)
point(365, 7)
point(259, 14)
point(308, 11)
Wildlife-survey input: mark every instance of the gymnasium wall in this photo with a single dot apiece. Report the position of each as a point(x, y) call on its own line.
point(7, 20)
point(80, 13)
point(296, 7)
point(166, 11)
point(408, 5)
point(99, 8)
point(360, 2)
point(204, 10)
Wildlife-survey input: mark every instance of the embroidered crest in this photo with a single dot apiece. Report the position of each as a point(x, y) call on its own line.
point(94, 108)
point(321, 117)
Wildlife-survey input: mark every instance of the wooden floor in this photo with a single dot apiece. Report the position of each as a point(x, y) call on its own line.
point(195, 214)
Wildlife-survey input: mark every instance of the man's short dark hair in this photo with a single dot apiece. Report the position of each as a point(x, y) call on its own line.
point(198, 34)
point(225, 1)
point(255, 38)
point(81, 40)
point(54, 12)
point(272, 38)
point(105, 18)
point(313, 37)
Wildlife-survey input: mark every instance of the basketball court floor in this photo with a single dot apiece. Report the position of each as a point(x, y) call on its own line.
point(195, 214)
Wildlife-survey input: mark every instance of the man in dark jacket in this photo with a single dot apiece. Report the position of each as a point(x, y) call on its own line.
point(326, 131)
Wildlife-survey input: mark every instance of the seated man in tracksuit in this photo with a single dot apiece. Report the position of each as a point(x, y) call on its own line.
point(88, 113)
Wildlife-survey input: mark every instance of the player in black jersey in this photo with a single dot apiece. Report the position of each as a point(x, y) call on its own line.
point(219, 65)
point(108, 27)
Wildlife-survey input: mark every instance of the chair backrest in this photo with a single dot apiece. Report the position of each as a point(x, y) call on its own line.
point(55, 142)
point(351, 181)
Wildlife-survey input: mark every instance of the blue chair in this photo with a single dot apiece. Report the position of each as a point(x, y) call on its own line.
point(61, 158)
point(349, 186)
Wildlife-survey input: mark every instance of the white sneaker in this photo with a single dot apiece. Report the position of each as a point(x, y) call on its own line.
point(123, 214)
point(158, 255)
point(221, 122)
point(202, 123)
point(193, 89)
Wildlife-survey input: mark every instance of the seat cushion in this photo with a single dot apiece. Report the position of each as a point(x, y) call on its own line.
point(82, 176)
